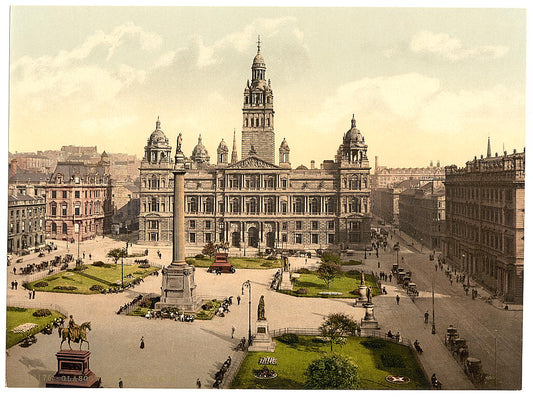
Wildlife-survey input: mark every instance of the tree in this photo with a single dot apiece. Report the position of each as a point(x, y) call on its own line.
point(337, 326)
point(332, 372)
point(327, 272)
point(116, 254)
point(330, 257)
point(209, 249)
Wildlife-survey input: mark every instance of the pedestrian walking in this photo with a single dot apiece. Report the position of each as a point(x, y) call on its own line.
point(390, 278)
point(29, 294)
point(426, 317)
point(84, 255)
point(12, 285)
point(90, 257)
point(397, 299)
point(33, 294)
point(120, 383)
point(142, 342)
point(238, 300)
point(198, 383)
point(16, 284)
point(14, 270)
point(379, 265)
point(232, 332)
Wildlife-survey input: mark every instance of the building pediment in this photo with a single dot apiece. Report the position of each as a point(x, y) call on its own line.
point(253, 163)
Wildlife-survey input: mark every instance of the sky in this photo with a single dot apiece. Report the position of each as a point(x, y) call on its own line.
point(425, 84)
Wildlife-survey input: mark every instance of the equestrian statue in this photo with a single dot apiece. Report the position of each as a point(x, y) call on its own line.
point(75, 333)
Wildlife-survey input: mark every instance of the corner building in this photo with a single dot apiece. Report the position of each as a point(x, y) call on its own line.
point(255, 202)
point(485, 211)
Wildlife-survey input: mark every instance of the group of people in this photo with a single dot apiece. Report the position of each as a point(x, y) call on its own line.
point(219, 376)
point(14, 284)
point(130, 304)
point(396, 336)
point(224, 307)
point(384, 276)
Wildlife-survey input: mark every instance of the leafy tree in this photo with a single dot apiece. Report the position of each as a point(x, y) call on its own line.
point(332, 372)
point(209, 249)
point(116, 254)
point(337, 326)
point(330, 257)
point(327, 272)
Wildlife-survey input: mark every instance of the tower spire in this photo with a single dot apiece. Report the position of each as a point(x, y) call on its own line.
point(488, 148)
point(234, 157)
point(157, 124)
point(258, 44)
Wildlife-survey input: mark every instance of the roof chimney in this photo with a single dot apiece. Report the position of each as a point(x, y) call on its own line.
point(312, 164)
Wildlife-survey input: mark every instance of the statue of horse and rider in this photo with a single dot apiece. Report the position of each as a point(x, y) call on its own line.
point(75, 333)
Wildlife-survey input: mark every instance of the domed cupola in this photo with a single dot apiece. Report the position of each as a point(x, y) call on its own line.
point(284, 152)
point(157, 149)
point(222, 153)
point(199, 153)
point(353, 136)
point(353, 148)
point(158, 138)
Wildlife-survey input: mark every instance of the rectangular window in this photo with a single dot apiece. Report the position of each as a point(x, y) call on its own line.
point(298, 225)
point(314, 225)
point(208, 237)
point(284, 226)
point(298, 238)
point(77, 210)
point(331, 225)
point(54, 210)
point(77, 194)
point(192, 224)
point(64, 194)
point(331, 239)
point(208, 224)
point(54, 194)
point(192, 237)
point(284, 238)
point(284, 183)
point(284, 207)
point(314, 238)
point(64, 210)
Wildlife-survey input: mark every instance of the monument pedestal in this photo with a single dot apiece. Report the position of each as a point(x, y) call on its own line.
point(73, 370)
point(362, 295)
point(285, 284)
point(262, 341)
point(221, 263)
point(178, 288)
point(369, 322)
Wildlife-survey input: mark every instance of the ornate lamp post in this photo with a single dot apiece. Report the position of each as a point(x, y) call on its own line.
point(248, 284)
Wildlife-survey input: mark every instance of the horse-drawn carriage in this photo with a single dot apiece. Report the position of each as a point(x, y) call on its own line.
point(451, 335)
point(474, 370)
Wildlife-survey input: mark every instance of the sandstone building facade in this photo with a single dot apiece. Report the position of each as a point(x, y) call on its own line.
point(26, 220)
point(254, 202)
point(485, 222)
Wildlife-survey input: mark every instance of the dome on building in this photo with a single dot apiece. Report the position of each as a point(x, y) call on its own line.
point(158, 136)
point(259, 61)
point(353, 134)
point(222, 147)
point(199, 153)
point(284, 146)
point(302, 167)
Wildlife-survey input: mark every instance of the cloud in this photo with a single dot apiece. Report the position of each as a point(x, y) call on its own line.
point(451, 48)
point(418, 102)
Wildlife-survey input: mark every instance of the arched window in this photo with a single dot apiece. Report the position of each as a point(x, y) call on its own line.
point(54, 227)
point(314, 205)
point(298, 205)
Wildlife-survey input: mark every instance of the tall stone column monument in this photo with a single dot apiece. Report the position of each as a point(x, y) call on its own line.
point(178, 288)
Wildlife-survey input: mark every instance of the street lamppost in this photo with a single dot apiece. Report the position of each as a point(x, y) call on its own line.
point(248, 284)
point(124, 253)
point(365, 251)
point(397, 249)
point(433, 304)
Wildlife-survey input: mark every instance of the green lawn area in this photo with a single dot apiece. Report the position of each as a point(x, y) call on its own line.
point(294, 359)
point(241, 262)
point(17, 316)
point(80, 282)
point(348, 282)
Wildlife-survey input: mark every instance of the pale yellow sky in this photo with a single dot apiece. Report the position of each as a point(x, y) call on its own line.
point(424, 84)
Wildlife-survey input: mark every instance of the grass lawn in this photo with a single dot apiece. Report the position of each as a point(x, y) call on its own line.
point(17, 316)
point(241, 262)
point(294, 359)
point(81, 282)
point(348, 282)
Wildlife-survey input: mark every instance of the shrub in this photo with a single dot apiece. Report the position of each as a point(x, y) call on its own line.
point(144, 266)
point(40, 284)
point(199, 256)
point(332, 372)
point(272, 258)
point(98, 263)
point(80, 268)
point(208, 305)
point(16, 309)
point(288, 338)
point(392, 361)
point(42, 313)
point(320, 339)
point(374, 343)
point(304, 271)
point(351, 262)
point(66, 288)
point(302, 291)
point(96, 287)
point(353, 273)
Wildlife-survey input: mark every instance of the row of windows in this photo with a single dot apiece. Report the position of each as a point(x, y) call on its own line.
point(298, 238)
point(20, 227)
point(90, 209)
point(77, 194)
point(91, 227)
point(475, 193)
point(37, 211)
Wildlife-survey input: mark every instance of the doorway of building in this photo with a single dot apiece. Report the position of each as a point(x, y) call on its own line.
point(253, 237)
point(270, 239)
point(235, 239)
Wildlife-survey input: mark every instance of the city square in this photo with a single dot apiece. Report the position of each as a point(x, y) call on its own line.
point(245, 270)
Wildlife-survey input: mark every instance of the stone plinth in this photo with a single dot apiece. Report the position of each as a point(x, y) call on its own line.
point(362, 294)
point(262, 341)
point(73, 370)
point(178, 288)
point(221, 263)
point(285, 284)
point(369, 322)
